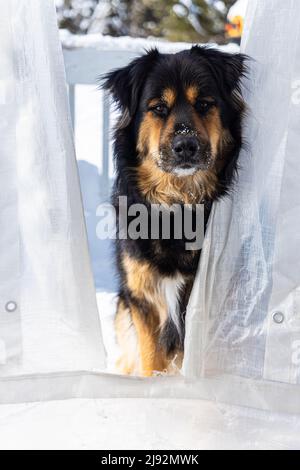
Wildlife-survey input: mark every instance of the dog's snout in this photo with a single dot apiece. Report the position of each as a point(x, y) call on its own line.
point(185, 147)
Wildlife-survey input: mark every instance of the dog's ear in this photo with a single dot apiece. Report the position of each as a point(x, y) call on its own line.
point(228, 69)
point(125, 84)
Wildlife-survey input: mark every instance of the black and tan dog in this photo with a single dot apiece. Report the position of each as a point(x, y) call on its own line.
point(177, 141)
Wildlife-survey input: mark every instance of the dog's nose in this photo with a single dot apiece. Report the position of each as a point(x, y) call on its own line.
point(185, 147)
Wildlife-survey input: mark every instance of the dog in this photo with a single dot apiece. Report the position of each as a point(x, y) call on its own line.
point(177, 140)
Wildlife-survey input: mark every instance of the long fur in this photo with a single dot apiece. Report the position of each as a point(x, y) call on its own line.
point(156, 276)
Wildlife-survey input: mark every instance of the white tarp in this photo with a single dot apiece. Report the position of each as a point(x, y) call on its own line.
point(48, 314)
point(245, 312)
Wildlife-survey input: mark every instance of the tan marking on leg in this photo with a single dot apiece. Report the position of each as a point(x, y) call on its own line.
point(129, 361)
point(151, 357)
point(144, 283)
point(137, 338)
point(149, 135)
point(147, 286)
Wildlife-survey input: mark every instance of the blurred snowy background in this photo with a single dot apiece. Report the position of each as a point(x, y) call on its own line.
point(98, 35)
point(174, 20)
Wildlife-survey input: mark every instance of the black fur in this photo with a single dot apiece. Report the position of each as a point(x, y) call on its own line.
point(218, 74)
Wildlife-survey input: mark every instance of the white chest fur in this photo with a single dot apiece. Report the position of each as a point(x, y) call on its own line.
point(171, 289)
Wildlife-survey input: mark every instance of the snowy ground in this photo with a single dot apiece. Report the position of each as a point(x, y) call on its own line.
point(88, 139)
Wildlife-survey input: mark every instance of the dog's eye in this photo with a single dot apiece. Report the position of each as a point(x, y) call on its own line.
point(204, 106)
point(160, 110)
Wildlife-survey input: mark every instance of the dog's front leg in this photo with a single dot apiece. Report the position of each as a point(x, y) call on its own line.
point(137, 336)
point(152, 357)
point(145, 312)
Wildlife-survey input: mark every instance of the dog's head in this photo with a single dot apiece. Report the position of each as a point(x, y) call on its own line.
point(183, 110)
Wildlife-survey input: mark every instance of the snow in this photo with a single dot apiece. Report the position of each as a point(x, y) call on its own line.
point(238, 9)
point(126, 43)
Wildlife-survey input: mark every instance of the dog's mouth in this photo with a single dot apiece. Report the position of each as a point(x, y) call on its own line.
point(185, 170)
point(168, 164)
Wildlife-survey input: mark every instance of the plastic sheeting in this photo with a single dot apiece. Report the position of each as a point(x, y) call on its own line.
point(48, 315)
point(244, 314)
point(143, 424)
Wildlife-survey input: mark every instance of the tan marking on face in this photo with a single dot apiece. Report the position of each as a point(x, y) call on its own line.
point(169, 97)
point(152, 133)
point(149, 135)
point(167, 132)
point(225, 147)
point(200, 127)
point(214, 129)
point(154, 102)
point(210, 129)
point(192, 94)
